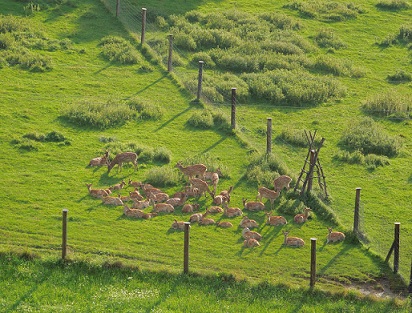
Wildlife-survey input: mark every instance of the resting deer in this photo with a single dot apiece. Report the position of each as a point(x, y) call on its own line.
point(135, 184)
point(135, 194)
point(99, 161)
point(137, 213)
point(272, 195)
point(250, 243)
point(247, 234)
point(226, 193)
point(302, 217)
point(121, 158)
point(201, 185)
point(112, 200)
point(178, 225)
point(158, 197)
point(140, 204)
point(191, 171)
point(219, 200)
point(192, 192)
point(162, 207)
point(334, 236)
point(215, 209)
point(253, 205)
point(231, 212)
point(206, 221)
point(292, 241)
point(177, 201)
point(275, 220)
point(190, 208)
point(282, 182)
point(96, 193)
point(225, 224)
point(118, 186)
point(247, 222)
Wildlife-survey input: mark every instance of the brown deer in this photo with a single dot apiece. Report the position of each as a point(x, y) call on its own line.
point(137, 213)
point(162, 207)
point(140, 204)
point(213, 177)
point(231, 212)
point(215, 209)
point(226, 193)
point(100, 161)
point(292, 241)
point(135, 194)
point(225, 224)
point(282, 182)
point(250, 243)
point(302, 217)
point(118, 186)
point(275, 220)
point(135, 184)
point(267, 193)
point(120, 158)
point(206, 221)
point(158, 197)
point(96, 193)
point(247, 222)
point(219, 199)
point(191, 171)
point(201, 185)
point(112, 200)
point(177, 201)
point(178, 225)
point(247, 234)
point(196, 217)
point(334, 236)
point(253, 205)
point(190, 208)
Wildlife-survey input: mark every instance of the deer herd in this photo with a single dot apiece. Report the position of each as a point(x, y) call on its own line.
point(201, 183)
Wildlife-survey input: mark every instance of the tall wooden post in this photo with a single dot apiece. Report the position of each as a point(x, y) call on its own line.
point(64, 234)
point(356, 213)
point(117, 8)
point(233, 115)
point(312, 166)
point(269, 136)
point(144, 10)
point(396, 248)
point(312, 262)
point(170, 60)
point(186, 249)
point(200, 80)
point(410, 281)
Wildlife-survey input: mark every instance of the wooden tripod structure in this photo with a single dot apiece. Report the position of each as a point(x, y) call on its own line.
point(312, 161)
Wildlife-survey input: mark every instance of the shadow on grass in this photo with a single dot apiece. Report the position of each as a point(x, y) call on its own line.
point(173, 118)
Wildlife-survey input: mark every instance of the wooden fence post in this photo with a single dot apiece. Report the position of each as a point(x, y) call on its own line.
point(410, 281)
point(64, 234)
point(170, 61)
point(199, 81)
point(144, 10)
point(233, 116)
point(117, 8)
point(312, 165)
point(186, 249)
point(396, 248)
point(356, 213)
point(269, 136)
point(313, 262)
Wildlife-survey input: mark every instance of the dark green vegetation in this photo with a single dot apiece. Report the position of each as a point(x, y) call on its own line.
point(328, 67)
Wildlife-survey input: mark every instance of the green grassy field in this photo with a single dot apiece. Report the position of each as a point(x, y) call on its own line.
point(40, 178)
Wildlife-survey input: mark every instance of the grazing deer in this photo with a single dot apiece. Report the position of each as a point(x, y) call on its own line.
point(231, 212)
point(191, 171)
point(247, 222)
point(250, 243)
point(334, 236)
point(121, 158)
point(118, 186)
point(213, 177)
point(140, 204)
point(253, 205)
point(201, 185)
point(282, 182)
point(275, 220)
point(226, 193)
point(136, 213)
point(96, 193)
point(178, 225)
point(100, 161)
point(225, 224)
point(190, 208)
point(302, 217)
point(292, 241)
point(272, 195)
point(215, 209)
point(112, 200)
point(247, 234)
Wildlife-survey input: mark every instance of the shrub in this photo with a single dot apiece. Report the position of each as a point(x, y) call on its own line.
point(389, 104)
point(99, 115)
point(162, 154)
point(355, 157)
point(326, 38)
point(405, 32)
point(162, 176)
point(54, 137)
point(280, 21)
point(263, 169)
point(146, 109)
point(400, 76)
point(367, 137)
point(393, 4)
point(203, 120)
point(221, 121)
point(202, 56)
point(117, 49)
point(184, 41)
point(293, 137)
point(373, 161)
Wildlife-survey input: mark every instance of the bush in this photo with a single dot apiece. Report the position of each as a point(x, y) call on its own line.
point(405, 32)
point(263, 169)
point(373, 161)
point(162, 177)
point(355, 157)
point(162, 155)
point(294, 137)
point(367, 137)
point(389, 104)
point(202, 120)
point(99, 115)
point(202, 56)
point(146, 109)
point(393, 4)
point(117, 49)
point(326, 38)
point(400, 77)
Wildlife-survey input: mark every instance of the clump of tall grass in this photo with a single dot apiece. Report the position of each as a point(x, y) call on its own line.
point(118, 49)
point(146, 109)
point(400, 77)
point(326, 38)
point(206, 119)
point(295, 137)
point(372, 161)
point(389, 104)
point(26, 144)
point(202, 56)
point(52, 136)
point(368, 137)
point(405, 32)
point(263, 169)
point(27, 59)
point(280, 21)
point(393, 5)
point(162, 176)
point(99, 115)
point(162, 155)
